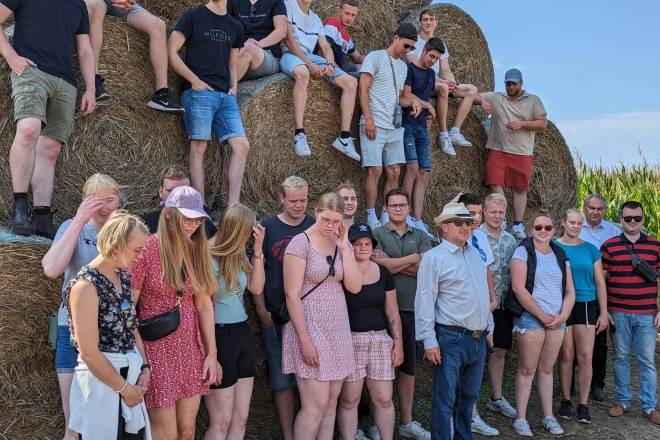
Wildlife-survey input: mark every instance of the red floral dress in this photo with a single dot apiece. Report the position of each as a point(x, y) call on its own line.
point(177, 359)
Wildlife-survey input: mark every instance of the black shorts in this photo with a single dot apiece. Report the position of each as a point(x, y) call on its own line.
point(409, 365)
point(584, 313)
point(235, 352)
point(503, 333)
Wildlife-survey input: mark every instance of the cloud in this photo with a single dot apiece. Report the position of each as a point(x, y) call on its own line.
point(616, 137)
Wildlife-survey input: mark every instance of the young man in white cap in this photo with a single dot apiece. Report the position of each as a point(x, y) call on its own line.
point(516, 117)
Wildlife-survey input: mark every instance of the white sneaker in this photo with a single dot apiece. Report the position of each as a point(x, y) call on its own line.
point(503, 406)
point(374, 433)
point(518, 231)
point(301, 146)
point(414, 430)
point(373, 223)
point(359, 435)
point(384, 218)
point(446, 145)
point(347, 147)
point(419, 224)
point(481, 427)
point(521, 426)
point(551, 424)
point(459, 140)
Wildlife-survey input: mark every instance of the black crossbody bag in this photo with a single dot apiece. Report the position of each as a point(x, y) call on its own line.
point(642, 267)
point(162, 325)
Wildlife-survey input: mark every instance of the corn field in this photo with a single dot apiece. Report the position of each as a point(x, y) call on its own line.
point(640, 182)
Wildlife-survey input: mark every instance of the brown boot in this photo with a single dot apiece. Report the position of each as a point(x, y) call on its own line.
point(618, 410)
point(653, 416)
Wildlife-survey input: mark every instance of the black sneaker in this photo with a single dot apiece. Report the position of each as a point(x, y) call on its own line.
point(163, 101)
point(101, 93)
point(565, 409)
point(582, 414)
point(597, 393)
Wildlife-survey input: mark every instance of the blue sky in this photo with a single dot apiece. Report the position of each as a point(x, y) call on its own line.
point(595, 64)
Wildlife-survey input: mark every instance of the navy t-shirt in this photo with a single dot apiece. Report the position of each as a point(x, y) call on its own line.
point(209, 40)
point(278, 235)
point(45, 32)
point(366, 310)
point(257, 19)
point(421, 82)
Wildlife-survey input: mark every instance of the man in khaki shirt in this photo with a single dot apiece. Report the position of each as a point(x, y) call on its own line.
point(516, 117)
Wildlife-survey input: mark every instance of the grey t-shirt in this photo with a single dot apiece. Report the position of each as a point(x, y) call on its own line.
point(547, 280)
point(84, 253)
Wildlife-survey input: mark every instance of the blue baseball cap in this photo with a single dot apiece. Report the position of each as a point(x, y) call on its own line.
point(513, 75)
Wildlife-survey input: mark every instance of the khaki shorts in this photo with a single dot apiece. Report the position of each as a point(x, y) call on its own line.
point(37, 94)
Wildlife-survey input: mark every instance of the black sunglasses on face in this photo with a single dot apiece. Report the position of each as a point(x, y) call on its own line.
point(409, 47)
point(542, 227)
point(631, 218)
point(460, 223)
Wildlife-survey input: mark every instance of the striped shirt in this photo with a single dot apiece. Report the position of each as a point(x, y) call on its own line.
point(626, 290)
point(382, 97)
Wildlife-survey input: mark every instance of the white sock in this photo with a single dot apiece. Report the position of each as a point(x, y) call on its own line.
point(444, 134)
point(454, 130)
point(371, 215)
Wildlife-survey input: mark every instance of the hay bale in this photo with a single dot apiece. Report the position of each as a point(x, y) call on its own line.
point(168, 10)
point(123, 137)
point(403, 8)
point(469, 55)
point(29, 394)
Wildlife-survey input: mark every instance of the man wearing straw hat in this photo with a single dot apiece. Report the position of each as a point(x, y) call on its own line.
point(452, 313)
point(516, 117)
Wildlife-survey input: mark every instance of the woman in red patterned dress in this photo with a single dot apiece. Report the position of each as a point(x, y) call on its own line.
point(183, 363)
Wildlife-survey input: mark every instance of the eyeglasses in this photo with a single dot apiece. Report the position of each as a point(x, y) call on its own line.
point(127, 310)
point(331, 263)
point(396, 206)
point(631, 218)
point(409, 47)
point(460, 223)
point(510, 83)
point(328, 222)
point(548, 228)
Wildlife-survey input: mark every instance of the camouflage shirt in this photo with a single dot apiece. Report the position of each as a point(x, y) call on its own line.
point(502, 251)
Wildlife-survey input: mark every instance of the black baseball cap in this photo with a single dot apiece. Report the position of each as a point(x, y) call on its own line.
point(407, 31)
point(359, 230)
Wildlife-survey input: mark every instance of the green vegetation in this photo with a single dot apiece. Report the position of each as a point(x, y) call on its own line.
point(639, 182)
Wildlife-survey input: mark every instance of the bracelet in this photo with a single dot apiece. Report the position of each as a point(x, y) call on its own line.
point(123, 387)
point(258, 257)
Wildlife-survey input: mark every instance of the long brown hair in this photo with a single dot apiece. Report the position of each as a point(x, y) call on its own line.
point(227, 246)
point(177, 251)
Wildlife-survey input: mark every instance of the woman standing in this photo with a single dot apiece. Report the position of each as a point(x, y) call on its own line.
point(542, 282)
point(317, 345)
point(110, 378)
point(74, 245)
point(176, 269)
point(228, 404)
point(370, 314)
point(588, 318)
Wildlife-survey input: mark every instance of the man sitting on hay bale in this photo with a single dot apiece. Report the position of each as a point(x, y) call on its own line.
point(341, 42)
point(44, 93)
point(304, 32)
point(142, 20)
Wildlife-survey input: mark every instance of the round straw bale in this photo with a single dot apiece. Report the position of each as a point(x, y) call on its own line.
point(122, 138)
point(403, 8)
point(469, 56)
point(373, 27)
point(168, 10)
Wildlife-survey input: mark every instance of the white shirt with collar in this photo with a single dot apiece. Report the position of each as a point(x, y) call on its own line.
point(452, 289)
point(599, 234)
point(483, 243)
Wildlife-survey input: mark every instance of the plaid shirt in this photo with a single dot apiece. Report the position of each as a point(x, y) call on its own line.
point(502, 251)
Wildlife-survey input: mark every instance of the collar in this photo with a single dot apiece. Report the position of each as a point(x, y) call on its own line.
point(642, 237)
point(520, 98)
point(451, 247)
point(600, 225)
point(390, 229)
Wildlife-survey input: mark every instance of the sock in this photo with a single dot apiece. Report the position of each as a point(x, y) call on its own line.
point(162, 91)
point(371, 211)
point(345, 134)
point(20, 196)
point(444, 134)
point(300, 130)
point(454, 130)
point(42, 210)
point(517, 223)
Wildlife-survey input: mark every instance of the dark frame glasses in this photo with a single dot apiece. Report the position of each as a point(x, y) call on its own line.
point(630, 218)
point(539, 228)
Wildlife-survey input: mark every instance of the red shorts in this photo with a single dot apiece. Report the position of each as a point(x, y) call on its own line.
point(508, 170)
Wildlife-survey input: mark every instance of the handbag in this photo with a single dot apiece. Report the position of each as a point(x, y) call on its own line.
point(280, 313)
point(162, 325)
point(642, 267)
point(397, 117)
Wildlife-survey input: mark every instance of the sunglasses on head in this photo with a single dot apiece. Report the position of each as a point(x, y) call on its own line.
point(631, 218)
point(542, 227)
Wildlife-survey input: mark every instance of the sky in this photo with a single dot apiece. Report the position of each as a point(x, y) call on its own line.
point(594, 64)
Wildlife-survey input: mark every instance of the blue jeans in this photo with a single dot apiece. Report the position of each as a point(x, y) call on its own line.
point(273, 340)
point(66, 356)
point(456, 383)
point(208, 110)
point(638, 330)
point(417, 146)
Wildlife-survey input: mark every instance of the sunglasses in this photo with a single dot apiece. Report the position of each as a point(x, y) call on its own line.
point(126, 308)
point(460, 223)
point(409, 47)
point(331, 263)
point(548, 228)
point(631, 218)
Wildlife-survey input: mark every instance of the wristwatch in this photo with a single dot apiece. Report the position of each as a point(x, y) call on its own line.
point(142, 368)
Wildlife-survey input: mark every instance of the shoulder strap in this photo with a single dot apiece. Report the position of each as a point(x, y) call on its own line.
point(396, 89)
point(334, 257)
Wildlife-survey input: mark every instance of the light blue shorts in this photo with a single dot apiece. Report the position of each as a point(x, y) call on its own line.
point(209, 111)
point(122, 14)
point(527, 321)
point(289, 61)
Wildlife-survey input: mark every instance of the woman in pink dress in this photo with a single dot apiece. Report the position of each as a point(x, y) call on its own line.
point(316, 343)
point(183, 363)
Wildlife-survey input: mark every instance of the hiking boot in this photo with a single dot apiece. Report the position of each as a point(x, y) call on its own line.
point(521, 426)
point(101, 93)
point(414, 430)
point(618, 410)
point(43, 223)
point(582, 414)
point(20, 219)
point(565, 409)
point(551, 425)
point(479, 426)
point(163, 102)
point(653, 416)
point(347, 147)
point(597, 393)
point(445, 144)
point(502, 405)
point(458, 139)
point(301, 147)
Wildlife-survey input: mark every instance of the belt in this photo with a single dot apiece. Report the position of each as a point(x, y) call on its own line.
point(232, 324)
point(476, 334)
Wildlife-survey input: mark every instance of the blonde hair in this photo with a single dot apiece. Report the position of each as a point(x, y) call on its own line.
point(331, 202)
point(346, 185)
point(97, 182)
point(570, 211)
point(495, 199)
point(179, 253)
point(228, 244)
point(293, 182)
point(117, 231)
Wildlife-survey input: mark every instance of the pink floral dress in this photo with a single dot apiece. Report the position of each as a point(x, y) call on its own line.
point(326, 317)
point(177, 359)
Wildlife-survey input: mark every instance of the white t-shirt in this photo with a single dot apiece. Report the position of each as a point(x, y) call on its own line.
point(419, 47)
point(382, 97)
point(547, 280)
point(307, 28)
point(482, 245)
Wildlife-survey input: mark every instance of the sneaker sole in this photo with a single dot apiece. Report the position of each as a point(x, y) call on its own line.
point(345, 153)
point(461, 145)
point(103, 97)
point(160, 108)
point(23, 232)
point(585, 421)
point(564, 417)
point(485, 434)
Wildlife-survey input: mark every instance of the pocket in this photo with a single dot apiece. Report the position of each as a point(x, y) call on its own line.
point(449, 336)
point(21, 89)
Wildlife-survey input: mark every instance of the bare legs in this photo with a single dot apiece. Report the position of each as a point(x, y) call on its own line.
point(176, 422)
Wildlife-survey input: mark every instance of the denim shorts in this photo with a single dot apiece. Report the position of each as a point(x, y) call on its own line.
point(527, 321)
point(289, 61)
point(209, 111)
point(66, 357)
point(416, 146)
point(122, 14)
point(273, 340)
